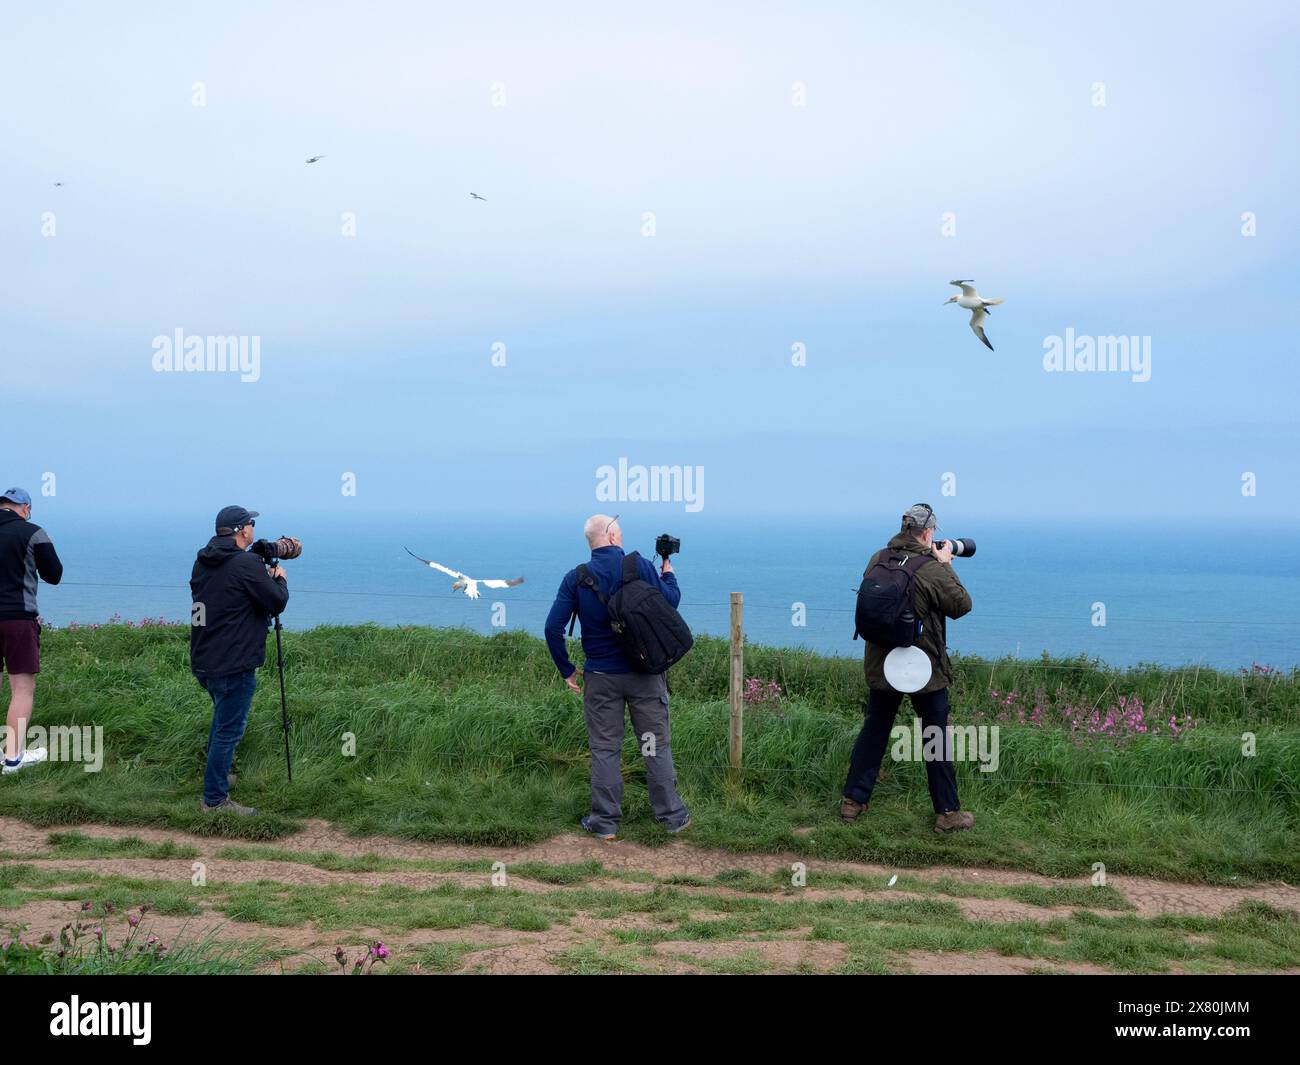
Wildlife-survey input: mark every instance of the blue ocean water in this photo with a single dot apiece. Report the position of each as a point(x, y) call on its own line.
point(1205, 596)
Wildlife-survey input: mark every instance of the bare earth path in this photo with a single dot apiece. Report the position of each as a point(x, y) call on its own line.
point(631, 868)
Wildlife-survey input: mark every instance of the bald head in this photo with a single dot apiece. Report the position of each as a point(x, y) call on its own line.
point(602, 531)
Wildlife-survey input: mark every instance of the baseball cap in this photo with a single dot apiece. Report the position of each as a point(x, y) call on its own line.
point(920, 516)
point(231, 518)
point(17, 495)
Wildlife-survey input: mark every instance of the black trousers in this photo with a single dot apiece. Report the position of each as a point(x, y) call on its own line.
point(869, 750)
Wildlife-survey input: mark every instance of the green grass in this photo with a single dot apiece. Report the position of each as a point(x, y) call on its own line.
point(79, 845)
point(473, 739)
point(201, 958)
point(875, 934)
point(433, 957)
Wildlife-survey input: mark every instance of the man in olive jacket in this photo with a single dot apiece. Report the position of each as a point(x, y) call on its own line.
point(938, 595)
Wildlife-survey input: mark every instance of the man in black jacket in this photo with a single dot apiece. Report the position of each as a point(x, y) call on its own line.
point(26, 557)
point(235, 597)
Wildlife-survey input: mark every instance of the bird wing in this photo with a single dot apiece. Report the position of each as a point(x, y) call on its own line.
point(502, 584)
point(977, 317)
point(967, 287)
point(437, 566)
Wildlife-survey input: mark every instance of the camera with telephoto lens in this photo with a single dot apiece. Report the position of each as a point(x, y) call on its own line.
point(667, 545)
point(271, 551)
point(962, 545)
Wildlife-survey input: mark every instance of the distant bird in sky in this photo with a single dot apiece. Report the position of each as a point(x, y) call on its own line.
point(315, 158)
point(58, 184)
point(468, 584)
point(478, 197)
point(976, 304)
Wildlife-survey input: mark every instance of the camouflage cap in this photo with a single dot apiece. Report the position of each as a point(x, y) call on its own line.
point(920, 516)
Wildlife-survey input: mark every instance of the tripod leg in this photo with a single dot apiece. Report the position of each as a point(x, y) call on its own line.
point(284, 708)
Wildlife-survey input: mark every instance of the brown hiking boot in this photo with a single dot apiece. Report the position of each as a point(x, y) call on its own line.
point(954, 821)
point(850, 811)
point(229, 806)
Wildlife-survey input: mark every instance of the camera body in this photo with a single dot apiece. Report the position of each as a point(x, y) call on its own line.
point(667, 545)
point(271, 551)
point(961, 545)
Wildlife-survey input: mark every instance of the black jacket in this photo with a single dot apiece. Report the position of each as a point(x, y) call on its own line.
point(25, 554)
point(234, 600)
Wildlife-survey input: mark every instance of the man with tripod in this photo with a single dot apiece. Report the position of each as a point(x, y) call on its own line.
point(235, 595)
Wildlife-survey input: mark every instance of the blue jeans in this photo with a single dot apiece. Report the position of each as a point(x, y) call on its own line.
point(232, 695)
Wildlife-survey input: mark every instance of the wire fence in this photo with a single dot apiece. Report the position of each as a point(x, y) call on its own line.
point(749, 605)
point(999, 661)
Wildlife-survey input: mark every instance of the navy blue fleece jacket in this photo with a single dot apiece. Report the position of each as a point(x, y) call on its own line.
point(599, 646)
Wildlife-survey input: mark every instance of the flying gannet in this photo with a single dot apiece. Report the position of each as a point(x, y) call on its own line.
point(468, 584)
point(976, 304)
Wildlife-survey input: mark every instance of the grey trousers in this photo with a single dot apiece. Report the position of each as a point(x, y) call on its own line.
point(604, 696)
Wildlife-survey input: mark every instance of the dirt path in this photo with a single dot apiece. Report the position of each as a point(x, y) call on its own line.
point(508, 951)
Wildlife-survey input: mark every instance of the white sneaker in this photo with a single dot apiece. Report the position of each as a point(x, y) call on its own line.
point(31, 757)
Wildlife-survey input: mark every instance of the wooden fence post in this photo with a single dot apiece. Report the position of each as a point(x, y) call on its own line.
point(737, 681)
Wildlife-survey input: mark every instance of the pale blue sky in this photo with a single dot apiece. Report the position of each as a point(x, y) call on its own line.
point(775, 225)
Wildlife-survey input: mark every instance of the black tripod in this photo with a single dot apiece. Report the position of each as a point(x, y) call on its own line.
point(284, 709)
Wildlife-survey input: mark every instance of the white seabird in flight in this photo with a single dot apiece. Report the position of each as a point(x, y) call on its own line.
point(469, 584)
point(976, 304)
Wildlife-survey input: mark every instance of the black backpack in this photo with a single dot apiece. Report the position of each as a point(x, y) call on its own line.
point(651, 633)
point(886, 611)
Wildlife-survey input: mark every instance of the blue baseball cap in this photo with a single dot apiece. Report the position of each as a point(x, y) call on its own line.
point(231, 518)
point(17, 495)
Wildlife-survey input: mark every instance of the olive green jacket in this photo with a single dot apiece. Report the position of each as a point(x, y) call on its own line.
point(939, 595)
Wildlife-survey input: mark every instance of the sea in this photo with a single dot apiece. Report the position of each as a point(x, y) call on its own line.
point(1209, 596)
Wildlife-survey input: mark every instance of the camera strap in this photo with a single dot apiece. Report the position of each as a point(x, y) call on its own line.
point(586, 580)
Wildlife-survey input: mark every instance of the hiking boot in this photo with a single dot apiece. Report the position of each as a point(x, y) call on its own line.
point(229, 806)
point(608, 837)
point(680, 828)
point(32, 756)
point(850, 811)
point(954, 821)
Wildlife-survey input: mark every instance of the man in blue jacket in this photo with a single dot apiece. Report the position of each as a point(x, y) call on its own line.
point(607, 684)
point(234, 598)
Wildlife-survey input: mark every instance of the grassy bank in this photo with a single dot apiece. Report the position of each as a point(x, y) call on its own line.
point(469, 738)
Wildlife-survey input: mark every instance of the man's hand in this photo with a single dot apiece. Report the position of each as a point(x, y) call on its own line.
point(944, 554)
point(276, 573)
point(665, 567)
point(574, 682)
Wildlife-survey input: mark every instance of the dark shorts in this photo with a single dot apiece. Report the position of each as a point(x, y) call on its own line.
point(20, 646)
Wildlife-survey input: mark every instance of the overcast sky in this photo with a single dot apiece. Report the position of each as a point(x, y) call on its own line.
point(1091, 164)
